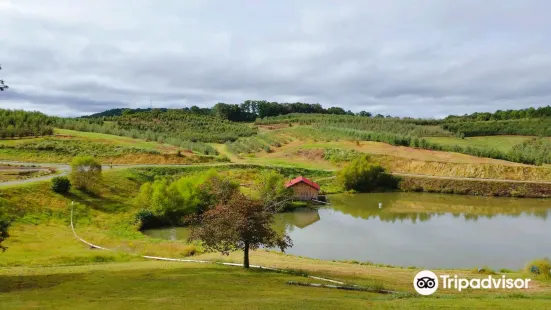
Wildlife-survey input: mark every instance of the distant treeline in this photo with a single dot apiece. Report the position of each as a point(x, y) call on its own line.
point(503, 115)
point(247, 111)
point(525, 127)
point(19, 123)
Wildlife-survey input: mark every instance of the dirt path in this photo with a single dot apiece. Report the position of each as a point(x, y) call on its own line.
point(65, 169)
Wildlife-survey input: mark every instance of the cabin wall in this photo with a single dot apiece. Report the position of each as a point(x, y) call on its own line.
point(304, 191)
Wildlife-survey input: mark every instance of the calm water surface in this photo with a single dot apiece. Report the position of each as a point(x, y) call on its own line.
point(416, 229)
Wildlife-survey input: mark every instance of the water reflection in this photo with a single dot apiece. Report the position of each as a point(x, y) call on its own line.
point(423, 230)
point(421, 207)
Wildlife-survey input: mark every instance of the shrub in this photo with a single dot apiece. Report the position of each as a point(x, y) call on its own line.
point(363, 176)
point(5, 222)
point(145, 219)
point(483, 270)
point(85, 173)
point(540, 267)
point(61, 184)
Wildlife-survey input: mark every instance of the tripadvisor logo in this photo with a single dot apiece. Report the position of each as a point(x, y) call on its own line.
point(426, 283)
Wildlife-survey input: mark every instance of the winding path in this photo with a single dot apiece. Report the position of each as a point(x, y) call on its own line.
point(64, 169)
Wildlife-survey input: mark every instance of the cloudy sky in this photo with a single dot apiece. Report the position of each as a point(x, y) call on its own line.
point(404, 58)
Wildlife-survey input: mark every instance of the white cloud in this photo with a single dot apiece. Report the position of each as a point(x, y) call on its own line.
point(392, 57)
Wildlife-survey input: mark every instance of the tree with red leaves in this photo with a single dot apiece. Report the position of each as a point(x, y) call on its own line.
point(238, 224)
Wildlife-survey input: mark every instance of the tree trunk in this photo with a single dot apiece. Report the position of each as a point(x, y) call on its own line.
point(246, 255)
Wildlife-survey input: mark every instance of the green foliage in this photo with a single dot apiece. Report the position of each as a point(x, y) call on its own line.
point(524, 127)
point(340, 155)
point(534, 151)
point(410, 127)
point(61, 184)
point(256, 144)
point(528, 113)
point(251, 110)
point(333, 133)
point(5, 222)
point(145, 219)
point(18, 123)
point(540, 267)
point(77, 147)
point(85, 173)
point(169, 201)
point(175, 132)
point(474, 187)
point(363, 176)
point(271, 189)
point(184, 125)
point(240, 223)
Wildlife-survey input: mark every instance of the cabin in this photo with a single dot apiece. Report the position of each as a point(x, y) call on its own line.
point(304, 189)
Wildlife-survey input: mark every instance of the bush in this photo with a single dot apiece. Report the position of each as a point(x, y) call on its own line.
point(145, 219)
point(85, 173)
point(363, 176)
point(540, 267)
point(61, 185)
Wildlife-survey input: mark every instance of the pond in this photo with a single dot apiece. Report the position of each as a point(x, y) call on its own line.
point(417, 229)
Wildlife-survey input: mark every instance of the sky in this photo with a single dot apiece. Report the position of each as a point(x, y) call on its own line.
point(412, 58)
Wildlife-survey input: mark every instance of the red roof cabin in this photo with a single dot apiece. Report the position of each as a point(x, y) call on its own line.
point(305, 189)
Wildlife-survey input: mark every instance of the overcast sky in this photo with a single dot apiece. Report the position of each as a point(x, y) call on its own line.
point(404, 58)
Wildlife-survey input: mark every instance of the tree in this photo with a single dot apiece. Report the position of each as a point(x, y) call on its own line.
point(5, 223)
point(363, 176)
point(2, 85)
point(272, 191)
point(61, 184)
point(239, 224)
point(85, 173)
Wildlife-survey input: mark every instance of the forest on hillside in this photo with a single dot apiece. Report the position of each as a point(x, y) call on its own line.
point(498, 115)
point(524, 127)
point(193, 128)
point(18, 123)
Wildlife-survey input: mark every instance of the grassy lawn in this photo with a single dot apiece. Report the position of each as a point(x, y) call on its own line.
point(500, 143)
point(150, 285)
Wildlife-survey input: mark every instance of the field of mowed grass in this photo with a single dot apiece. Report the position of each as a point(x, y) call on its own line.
point(157, 285)
point(161, 285)
point(500, 143)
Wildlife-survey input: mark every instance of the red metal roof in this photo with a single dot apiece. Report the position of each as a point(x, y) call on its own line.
point(302, 179)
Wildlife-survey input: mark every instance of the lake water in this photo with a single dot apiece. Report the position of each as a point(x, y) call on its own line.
point(417, 229)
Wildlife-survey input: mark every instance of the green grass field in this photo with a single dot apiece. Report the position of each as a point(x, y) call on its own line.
point(500, 143)
point(117, 140)
point(160, 285)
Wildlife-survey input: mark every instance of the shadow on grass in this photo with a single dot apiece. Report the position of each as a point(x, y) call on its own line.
point(97, 202)
point(21, 283)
